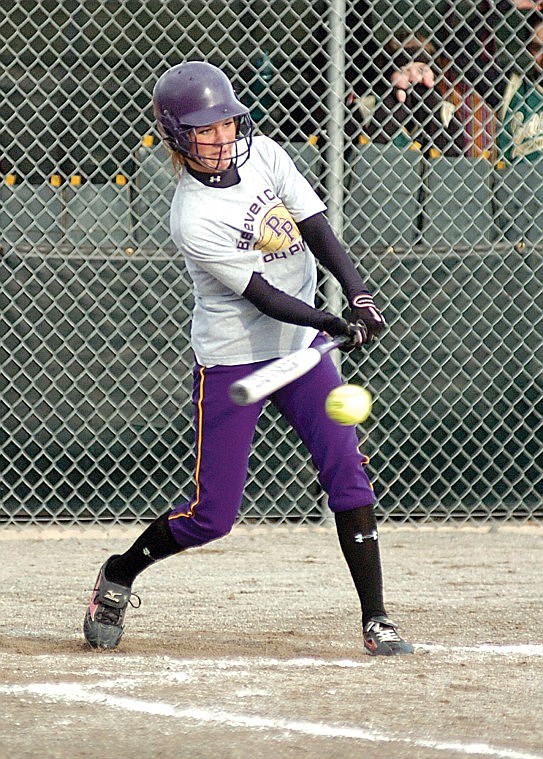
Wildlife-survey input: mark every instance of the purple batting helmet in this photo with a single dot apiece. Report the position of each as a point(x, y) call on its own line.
point(195, 94)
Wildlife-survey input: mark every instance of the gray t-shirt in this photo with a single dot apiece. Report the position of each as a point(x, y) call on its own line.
point(226, 234)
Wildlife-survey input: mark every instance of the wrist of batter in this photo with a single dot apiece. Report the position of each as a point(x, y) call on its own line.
point(333, 325)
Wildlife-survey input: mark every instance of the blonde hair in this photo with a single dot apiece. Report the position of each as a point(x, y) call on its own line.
point(177, 159)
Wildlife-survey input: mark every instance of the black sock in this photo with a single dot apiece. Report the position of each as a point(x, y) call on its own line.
point(155, 543)
point(358, 538)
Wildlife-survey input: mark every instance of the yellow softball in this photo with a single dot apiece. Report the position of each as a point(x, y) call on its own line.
point(349, 404)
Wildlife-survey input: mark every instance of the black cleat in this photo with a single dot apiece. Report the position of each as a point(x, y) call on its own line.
point(381, 638)
point(103, 624)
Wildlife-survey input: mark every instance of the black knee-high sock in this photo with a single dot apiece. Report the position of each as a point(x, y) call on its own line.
point(155, 543)
point(359, 541)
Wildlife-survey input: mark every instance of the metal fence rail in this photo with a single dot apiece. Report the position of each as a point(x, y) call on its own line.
point(95, 368)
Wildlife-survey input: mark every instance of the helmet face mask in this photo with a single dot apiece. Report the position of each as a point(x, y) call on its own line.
point(185, 140)
point(196, 94)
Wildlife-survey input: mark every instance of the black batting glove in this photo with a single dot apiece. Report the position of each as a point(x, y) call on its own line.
point(367, 317)
point(358, 335)
point(337, 327)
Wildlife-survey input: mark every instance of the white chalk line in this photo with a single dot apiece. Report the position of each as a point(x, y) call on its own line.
point(76, 693)
point(72, 692)
point(527, 649)
point(522, 649)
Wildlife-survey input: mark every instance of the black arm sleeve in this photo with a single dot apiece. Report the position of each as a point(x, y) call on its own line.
point(327, 249)
point(285, 308)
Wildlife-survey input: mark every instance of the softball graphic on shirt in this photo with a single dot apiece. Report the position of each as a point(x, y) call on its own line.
point(277, 231)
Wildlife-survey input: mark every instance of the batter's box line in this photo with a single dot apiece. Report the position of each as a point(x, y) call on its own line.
point(74, 693)
point(521, 649)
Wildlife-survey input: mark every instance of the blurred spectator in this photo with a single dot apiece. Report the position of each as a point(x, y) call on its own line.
point(445, 99)
point(521, 110)
point(473, 42)
point(419, 105)
point(519, 182)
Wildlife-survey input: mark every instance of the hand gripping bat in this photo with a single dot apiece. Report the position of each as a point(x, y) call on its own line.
point(279, 373)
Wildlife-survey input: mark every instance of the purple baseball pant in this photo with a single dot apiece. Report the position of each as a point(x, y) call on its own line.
point(224, 434)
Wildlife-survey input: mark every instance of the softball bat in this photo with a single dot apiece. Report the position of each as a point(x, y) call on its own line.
point(278, 373)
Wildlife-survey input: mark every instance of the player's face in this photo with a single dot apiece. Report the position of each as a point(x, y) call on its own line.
point(212, 146)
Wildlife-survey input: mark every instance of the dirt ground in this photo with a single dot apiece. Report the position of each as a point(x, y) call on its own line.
point(251, 647)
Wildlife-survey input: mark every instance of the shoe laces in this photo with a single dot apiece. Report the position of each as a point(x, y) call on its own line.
point(384, 633)
point(109, 615)
point(132, 603)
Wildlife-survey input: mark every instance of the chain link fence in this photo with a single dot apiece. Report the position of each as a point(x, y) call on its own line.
point(445, 222)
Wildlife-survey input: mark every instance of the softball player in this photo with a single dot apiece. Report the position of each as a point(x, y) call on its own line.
point(250, 227)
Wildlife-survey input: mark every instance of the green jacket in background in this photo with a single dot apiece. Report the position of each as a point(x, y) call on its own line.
point(521, 132)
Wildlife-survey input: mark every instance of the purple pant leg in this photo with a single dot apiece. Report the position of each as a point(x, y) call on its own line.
point(224, 434)
point(333, 448)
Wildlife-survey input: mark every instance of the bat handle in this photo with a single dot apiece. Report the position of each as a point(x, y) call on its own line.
point(337, 342)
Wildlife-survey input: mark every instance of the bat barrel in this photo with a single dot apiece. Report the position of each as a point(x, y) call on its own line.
point(261, 383)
